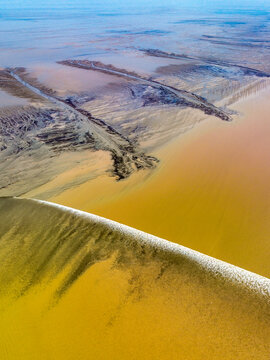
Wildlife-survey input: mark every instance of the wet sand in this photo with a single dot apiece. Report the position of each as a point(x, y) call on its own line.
point(210, 192)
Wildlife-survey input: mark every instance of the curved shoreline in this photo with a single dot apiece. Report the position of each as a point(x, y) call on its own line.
point(215, 266)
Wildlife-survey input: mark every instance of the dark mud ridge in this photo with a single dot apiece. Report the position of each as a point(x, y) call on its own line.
point(244, 69)
point(178, 96)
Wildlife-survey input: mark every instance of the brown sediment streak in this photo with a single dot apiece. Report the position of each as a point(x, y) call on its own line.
point(185, 97)
point(126, 157)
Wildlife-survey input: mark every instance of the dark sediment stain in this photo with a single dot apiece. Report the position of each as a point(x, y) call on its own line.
point(235, 43)
point(246, 70)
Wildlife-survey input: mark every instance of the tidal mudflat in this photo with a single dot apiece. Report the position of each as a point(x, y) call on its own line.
point(210, 192)
point(157, 118)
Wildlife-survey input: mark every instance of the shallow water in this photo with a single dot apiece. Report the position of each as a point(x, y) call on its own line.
point(38, 35)
point(67, 81)
point(9, 100)
point(210, 192)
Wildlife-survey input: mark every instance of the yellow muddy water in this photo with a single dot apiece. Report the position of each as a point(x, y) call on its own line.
point(210, 192)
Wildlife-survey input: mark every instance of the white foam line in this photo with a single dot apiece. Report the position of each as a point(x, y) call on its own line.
point(234, 273)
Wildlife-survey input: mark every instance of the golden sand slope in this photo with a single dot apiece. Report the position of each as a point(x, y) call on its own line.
point(76, 286)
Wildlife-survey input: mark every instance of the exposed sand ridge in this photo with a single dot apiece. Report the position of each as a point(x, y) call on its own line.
point(185, 97)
